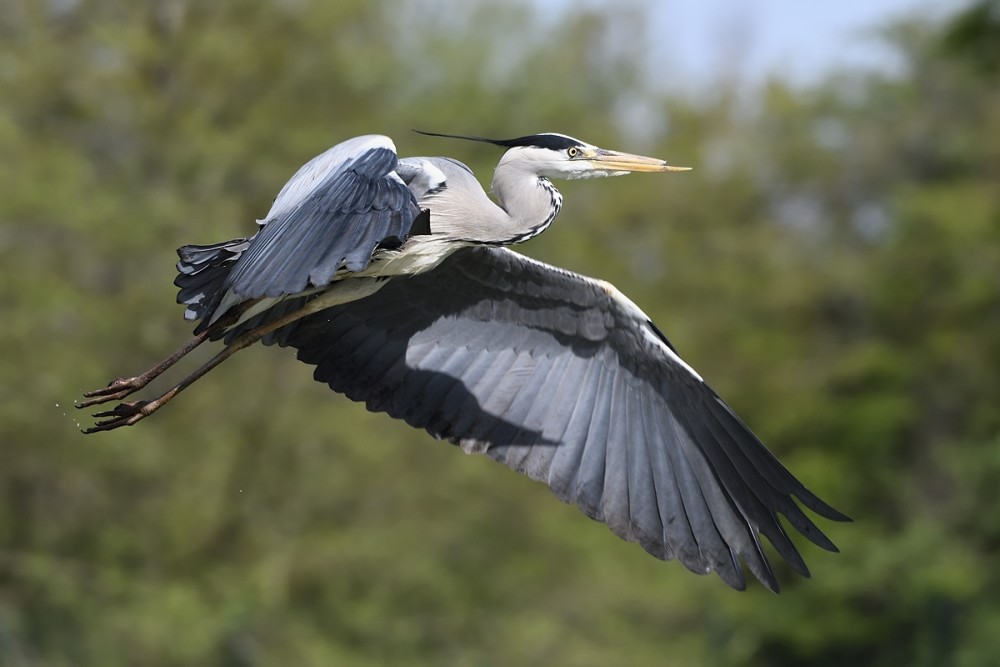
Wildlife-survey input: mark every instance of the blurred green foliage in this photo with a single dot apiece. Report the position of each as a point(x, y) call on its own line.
point(831, 266)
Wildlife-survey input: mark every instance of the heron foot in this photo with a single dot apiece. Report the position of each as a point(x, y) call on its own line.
point(117, 389)
point(123, 414)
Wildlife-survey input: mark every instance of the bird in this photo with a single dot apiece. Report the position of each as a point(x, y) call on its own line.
point(395, 278)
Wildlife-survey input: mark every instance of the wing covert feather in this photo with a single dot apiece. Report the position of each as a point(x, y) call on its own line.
point(337, 225)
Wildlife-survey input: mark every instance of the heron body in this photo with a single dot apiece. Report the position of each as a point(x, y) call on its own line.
point(393, 277)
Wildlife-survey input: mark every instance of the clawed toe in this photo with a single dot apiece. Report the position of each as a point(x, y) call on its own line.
point(126, 414)
point(117, 389)
point(123, 414)
point(115, 385)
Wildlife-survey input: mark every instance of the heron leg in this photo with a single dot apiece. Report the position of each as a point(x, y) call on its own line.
point(127, 414)
point(121, 387)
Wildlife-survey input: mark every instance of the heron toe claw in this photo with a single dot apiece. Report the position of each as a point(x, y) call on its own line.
point(117, 389)
point(123, 414)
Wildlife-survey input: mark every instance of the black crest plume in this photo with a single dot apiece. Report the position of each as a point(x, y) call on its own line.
point(544, 140)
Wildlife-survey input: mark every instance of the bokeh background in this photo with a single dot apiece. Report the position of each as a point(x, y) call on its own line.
point(832, 266)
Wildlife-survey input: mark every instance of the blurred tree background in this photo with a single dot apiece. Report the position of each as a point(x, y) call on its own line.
point(832, 266)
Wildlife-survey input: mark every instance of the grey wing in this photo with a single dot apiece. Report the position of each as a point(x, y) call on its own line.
point(560, 377)
point(332, 215)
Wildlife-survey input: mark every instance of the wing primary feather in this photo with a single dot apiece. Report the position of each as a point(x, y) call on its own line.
point(565, 466)
point(471, 422)
point(712, 549)
point(644, 505)
point(537, 395)
point(475, 425)
point(617, 512)
point(447, 422)
point(733, 526)
point(770, 498)
point(588, 483)
point(550, 414)
point(413, 393)
point(501, 398)
point(425, 413)
point(676, 529)
point(744, 496)
point(769, 466)
point(434, 407)
point(528, 395)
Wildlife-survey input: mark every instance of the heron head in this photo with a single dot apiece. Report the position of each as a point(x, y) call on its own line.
point(555, 155)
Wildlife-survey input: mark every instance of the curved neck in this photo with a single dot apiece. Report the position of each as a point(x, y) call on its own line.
point(526, 204)
point(529, 201)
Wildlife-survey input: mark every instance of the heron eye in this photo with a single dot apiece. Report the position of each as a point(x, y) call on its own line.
point(573, 152)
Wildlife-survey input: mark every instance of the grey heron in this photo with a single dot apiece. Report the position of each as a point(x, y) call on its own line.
point(394, 278)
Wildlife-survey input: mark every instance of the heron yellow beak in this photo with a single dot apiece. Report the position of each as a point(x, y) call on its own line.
point(615, 161)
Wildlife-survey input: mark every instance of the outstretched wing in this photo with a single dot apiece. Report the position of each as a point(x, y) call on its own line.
point(564, 379)
point(331, 216)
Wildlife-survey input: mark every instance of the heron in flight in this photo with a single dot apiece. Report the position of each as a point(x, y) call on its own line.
point(395, 279)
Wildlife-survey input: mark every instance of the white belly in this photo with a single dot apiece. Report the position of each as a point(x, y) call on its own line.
point(418, 255)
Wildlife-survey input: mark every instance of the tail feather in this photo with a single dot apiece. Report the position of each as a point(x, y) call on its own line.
point(201, 274)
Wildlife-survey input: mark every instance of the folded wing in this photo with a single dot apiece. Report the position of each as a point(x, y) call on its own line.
point(331, 216)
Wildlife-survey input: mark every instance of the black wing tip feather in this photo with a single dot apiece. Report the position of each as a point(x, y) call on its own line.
point(815, 504)
point(777, 479)
point(790, 485)
point(732, 574)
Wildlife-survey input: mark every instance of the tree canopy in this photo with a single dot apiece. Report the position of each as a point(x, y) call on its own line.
point(830, 266)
